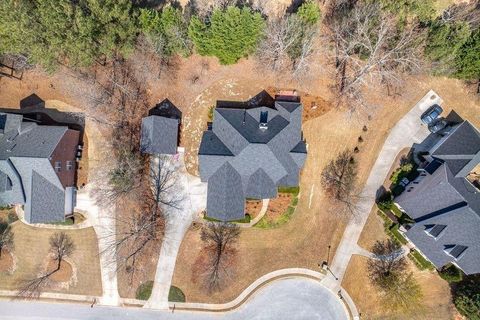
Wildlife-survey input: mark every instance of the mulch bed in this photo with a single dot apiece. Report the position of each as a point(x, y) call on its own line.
point(253, 207)
point(278, 205)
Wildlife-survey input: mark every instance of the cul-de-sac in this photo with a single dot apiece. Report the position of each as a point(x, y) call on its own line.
point(240, 159)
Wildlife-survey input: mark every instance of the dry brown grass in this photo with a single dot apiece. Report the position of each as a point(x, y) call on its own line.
point(6, 261)
point(435, 303)
point(31, 251)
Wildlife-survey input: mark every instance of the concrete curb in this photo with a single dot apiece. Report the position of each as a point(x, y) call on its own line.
point(347, 302)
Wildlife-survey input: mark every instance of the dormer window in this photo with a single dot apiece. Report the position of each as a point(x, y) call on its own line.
point(455, 250)
point(263, 120)
point(435, 230)
point(58, 166)
point(69, 165)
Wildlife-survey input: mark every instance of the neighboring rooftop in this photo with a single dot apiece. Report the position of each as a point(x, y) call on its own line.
point(159, 135)
point(445, 204)
point(28, 153)
point(250, 151)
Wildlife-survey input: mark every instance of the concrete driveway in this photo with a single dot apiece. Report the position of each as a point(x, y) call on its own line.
point(289, 299)
point(193, 195)
point(405, 133)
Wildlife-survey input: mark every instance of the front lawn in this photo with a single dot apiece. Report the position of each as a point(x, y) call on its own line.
point(31, 252)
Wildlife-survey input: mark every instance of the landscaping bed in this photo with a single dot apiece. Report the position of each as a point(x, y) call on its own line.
point(64, 274)
point(253, 207)
point(280, 209)
point(144, 292)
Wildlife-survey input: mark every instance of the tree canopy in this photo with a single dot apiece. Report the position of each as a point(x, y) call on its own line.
point(166, 30)
point(468, 58)
point(228, 34)
point(443, 43)
point(52, 32)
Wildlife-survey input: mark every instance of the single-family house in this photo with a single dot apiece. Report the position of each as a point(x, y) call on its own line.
point(248, 152)
point(444, 201)
point(37, 168)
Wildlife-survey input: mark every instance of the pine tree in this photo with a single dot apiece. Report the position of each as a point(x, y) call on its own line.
point(468, 58)
point(229, 35)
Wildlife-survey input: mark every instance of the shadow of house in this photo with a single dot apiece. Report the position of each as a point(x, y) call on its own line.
point(51, 117)
point(32, 101)
point(263, 99)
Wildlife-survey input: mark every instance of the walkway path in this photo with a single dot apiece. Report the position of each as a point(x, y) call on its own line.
point(104, 224)
point(405, 133)
point(193, 193)
point(260, 215)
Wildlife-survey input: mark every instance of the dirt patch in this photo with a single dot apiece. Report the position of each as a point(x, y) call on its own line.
point(277, 206)
point(435, 304)
point(6, 261)
point(253, 207)
point(64, 274)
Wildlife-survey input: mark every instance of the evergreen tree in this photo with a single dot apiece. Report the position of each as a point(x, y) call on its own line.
point(443, 42)
point(468, 58)
point(166, 30)
point(229, 34)
point(406, 10)
point(309, 12)
point(75, 33)
point(467, 298)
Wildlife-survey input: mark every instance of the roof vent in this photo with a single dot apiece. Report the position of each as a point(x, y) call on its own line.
point(263, 120)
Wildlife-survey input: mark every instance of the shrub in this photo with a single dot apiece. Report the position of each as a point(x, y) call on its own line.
point(467, 298)
point(176, 295)
point(385, 201)
point(144, 291)
point(450, 273)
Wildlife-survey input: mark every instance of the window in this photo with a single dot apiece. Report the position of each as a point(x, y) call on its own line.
point(69, 165)
point(58, 166)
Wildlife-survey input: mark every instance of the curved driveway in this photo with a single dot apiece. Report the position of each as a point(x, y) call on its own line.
point(289, 299)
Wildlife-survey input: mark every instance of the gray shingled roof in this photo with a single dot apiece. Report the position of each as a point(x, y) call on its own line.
point(264, 158)
point(463, 140)
point(25, 149)
point(445, 205)
point(159, 135)
point(462, 227)
point(225, 199)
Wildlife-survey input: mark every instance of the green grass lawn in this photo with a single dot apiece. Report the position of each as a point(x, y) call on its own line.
point(176, 295)
point(144, 292)
point(420, 261)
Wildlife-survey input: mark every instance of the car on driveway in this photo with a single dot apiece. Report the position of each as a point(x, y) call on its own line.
point(431, 114)
point(437, 125)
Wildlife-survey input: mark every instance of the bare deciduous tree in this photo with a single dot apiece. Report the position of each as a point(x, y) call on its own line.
point(388, 258)
point(6, 237)
point(61, 245)
point(219, 241)
point(288, 45)
point(369, 48)
point(339, 181)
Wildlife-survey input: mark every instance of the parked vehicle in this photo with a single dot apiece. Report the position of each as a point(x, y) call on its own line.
point(437, 125)
point(431, 114)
